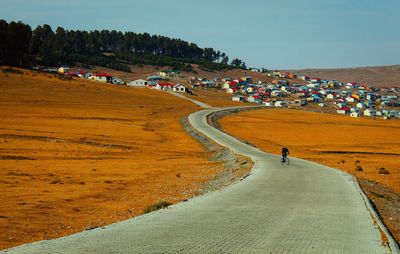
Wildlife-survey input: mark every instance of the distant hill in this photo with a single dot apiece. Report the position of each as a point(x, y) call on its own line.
point(380, 76)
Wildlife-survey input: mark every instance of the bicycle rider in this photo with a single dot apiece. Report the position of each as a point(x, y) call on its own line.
point(285, 152)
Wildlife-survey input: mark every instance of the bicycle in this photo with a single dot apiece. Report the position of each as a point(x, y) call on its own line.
point(285, 160)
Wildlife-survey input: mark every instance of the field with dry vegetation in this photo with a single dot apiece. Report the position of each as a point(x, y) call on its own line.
point(75, 155)
point(368, 149)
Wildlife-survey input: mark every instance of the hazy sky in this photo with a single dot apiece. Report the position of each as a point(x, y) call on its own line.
point(271, 34)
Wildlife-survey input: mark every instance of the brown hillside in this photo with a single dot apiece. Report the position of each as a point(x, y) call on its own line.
point(382, 76)
point(77, 154)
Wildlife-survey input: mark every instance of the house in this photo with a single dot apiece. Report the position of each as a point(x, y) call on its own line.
point(63, 70)
point(276, 73)
point(102, 77)
point(179, 88)
point(237, 98)
point(344, 110)
point(276, 93)
point(229, 90)
point(225, 86)
point(254, 98)
point(267, 103)
point(249, 89)
point(154, 78)
point(246, 79)
point(164, 86)
point(369, 112)
point(315, 80)
point(139, 83)
point(360, 105)
point(117, 81)
point(331, 96)
point(305, 78)
point(165, 74)
point(280, 104)
point(354, 114)
point(371, 97)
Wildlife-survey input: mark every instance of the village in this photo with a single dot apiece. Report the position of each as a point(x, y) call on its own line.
point(283, 90)
point(291, 90)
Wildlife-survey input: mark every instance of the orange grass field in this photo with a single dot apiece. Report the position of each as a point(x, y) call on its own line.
point(323, 138)
point(75, 155)
point(338, 141)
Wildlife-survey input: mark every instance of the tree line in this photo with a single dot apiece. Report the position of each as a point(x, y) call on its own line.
point(22, 46)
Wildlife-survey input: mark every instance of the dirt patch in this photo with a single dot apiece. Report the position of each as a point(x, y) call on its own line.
point(386, 202)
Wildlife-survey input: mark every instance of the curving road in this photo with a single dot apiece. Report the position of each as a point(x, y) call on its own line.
point(301, 208)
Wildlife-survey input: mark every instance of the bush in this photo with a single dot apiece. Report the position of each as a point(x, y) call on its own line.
point(157, 206)
point(12, 70)
point(359, 169)
point(383, 171)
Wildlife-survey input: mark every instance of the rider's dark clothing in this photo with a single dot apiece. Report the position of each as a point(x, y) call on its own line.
point(285, 152)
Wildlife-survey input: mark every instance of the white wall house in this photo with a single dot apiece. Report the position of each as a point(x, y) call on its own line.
point(225, 85)
point(280, 104)
point(369, 112)
point(139, 83)
point(330, 97)
point(360, 105)
point(229, 90)
point(179, 88)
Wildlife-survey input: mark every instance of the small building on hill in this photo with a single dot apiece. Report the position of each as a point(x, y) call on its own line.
point(179, 88)
point(343, 111)
point(164, 86)
point(63, 70)
point(139, 83)
point(165, 74)
point(102, 77)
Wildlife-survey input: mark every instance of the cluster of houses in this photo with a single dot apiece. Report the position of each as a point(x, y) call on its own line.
point(158, 82)
point(291, 90)
point(284, 90)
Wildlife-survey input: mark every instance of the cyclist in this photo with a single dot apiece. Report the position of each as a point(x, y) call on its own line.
point(285, 152)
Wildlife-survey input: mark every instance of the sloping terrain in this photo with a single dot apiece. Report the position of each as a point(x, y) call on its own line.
point(380, 76)
point(75, 155)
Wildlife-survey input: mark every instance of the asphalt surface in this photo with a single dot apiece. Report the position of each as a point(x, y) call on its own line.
point(301, 208)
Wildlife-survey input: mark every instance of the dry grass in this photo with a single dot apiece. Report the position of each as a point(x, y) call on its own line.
point(333, 140)
point(380, 76)
point(76, 155)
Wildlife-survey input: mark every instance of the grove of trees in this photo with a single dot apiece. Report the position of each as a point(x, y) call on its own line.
point(22, 46)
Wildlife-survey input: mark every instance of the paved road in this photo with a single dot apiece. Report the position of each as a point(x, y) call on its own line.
point(301, 208)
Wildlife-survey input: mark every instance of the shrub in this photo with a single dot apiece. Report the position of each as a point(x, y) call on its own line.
point(12, 70)
point(359, 168)
point(357, 161)
point(157, 206)
point(178, 175)
point(383, 171)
